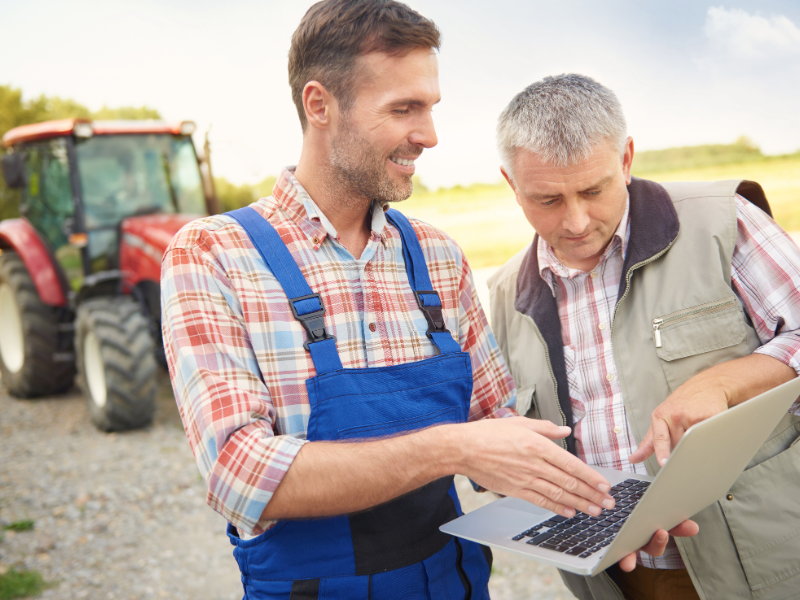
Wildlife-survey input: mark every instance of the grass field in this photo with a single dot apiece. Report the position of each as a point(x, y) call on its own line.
point(487, 223)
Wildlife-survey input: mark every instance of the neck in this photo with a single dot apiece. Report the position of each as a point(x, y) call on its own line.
point(346, 209)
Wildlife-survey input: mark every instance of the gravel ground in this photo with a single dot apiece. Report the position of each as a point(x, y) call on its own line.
point(123, 516)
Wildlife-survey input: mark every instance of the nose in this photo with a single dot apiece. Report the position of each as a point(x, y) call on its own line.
point(425, 133)
point(576, 218)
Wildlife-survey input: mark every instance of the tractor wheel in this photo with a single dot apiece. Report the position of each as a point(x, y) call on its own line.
point(116, 363)
point(29, 336)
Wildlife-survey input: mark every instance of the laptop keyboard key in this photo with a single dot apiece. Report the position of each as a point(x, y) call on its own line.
point(542, 537)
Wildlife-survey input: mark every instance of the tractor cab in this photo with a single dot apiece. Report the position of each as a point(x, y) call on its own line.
point(100, 203)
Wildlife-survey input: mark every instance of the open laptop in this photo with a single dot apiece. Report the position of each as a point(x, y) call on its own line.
point(701, 469)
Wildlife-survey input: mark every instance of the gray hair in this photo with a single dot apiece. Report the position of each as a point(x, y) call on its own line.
point(561, 119)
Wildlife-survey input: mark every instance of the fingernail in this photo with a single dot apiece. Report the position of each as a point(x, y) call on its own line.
point(594, 510)
point(608, 503)
point(568, 512)
point(604, 487)
point(662, 461)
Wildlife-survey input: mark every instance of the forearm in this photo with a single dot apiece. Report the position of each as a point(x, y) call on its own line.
point(743, 378)
point(334, 478)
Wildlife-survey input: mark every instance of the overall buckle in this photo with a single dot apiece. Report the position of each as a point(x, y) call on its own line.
point(312, 322)
point(433, 314)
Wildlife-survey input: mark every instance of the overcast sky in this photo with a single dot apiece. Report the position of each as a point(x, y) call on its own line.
point(687, 72)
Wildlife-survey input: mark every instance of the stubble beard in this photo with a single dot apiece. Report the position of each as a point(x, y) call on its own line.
point(358, 168)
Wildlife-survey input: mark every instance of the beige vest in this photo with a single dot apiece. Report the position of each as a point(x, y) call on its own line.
point(677, 280)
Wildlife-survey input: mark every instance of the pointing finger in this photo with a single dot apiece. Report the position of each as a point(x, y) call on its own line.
point(644, 450)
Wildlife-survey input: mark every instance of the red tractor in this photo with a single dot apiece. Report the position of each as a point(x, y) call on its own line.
point(79, 271)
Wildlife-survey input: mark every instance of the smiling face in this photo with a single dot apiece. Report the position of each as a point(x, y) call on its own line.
point(575, 209)
point(389, 125)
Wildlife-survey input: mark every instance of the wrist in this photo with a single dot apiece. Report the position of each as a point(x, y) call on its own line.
point(446, 443)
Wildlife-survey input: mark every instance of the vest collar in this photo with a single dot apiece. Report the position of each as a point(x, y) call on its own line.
point(653, 227)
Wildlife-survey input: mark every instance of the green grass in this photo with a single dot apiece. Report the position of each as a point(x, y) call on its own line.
point(487, 223)
point(24, 525)
point(21, 584)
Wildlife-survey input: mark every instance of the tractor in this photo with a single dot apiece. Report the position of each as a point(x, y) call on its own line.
point(80, 268)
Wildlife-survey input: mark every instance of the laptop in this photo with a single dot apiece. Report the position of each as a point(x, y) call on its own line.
point(701, 469)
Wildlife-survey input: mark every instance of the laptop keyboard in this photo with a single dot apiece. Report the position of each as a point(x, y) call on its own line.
point(583, 534)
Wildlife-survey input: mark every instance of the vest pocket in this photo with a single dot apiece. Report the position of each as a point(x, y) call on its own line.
point(763, 515)
point(694, 339)
point(526, 402)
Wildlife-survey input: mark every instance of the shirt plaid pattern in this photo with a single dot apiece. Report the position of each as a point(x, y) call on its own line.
point(765, 276)
point(235, 352)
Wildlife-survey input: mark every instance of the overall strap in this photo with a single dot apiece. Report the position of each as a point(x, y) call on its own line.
point(427, 299)
point(306, 306)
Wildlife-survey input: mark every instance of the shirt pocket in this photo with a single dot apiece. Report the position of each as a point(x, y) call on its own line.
point(575, 386)
point(689, 341)
point(763, 514)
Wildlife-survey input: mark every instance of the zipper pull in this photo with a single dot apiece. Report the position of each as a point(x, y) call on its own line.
point(657, 323)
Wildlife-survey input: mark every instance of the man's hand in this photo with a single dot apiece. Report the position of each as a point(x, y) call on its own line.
point(705, 395)
point(658, 543)
point(516, 457)
point(691, 403)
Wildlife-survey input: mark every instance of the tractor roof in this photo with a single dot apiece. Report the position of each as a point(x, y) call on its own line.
point(62, 127)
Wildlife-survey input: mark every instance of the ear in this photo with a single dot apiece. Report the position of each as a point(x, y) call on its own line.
point(510, 182)
point(318, 104)
point(627, 160)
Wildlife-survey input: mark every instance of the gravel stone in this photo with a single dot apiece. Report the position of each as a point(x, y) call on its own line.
point(123, 516)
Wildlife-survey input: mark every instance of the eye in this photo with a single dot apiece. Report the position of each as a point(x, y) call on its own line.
point(549, 202)
point(401, 111)
point(593, 193)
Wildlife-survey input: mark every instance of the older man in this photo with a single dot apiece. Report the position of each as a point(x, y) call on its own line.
point(639, 310)
point(319, 316)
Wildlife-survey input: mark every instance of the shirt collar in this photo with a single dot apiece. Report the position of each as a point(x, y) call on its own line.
point(301, 208)
point(550, 266)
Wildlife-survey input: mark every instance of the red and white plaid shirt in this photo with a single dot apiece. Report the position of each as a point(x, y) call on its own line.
point(235, 352)
point(765, 275)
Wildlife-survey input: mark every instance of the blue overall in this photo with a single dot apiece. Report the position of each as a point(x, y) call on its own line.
point(394, 550)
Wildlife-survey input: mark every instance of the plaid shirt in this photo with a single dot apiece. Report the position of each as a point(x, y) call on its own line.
point(235, 352)
point(765, 276)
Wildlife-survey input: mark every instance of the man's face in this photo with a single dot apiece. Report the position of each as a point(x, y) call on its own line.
point(575, 209)
point(377, 141)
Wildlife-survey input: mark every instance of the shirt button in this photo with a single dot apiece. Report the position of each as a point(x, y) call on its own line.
point(602, 326)
point(617, 429)
point(594, 274)
point(373, 327)
point(315, 240)
point(610, 377)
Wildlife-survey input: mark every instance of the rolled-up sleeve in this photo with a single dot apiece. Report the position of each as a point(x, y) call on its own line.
point(766, 277)
point(225, 406)
point(493, 394)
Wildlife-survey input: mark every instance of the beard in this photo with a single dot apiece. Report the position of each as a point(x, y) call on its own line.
point(359, 167)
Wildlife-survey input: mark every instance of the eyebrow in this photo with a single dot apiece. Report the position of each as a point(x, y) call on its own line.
point(411, 102)
point(599, 184)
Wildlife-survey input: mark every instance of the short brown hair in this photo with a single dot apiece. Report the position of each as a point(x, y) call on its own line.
point(334, 32)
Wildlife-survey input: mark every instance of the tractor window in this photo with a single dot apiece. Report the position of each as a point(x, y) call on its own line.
point(48, 197)
point(125, 175)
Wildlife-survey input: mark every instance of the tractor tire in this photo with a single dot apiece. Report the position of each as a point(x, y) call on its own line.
point(116, 363)
point(30, 342)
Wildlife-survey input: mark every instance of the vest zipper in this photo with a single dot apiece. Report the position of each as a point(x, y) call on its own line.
point(709, 307)
point(628, 276)
point(562, 441)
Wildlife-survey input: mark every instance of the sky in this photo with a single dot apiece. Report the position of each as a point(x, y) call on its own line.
point(687, 72)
